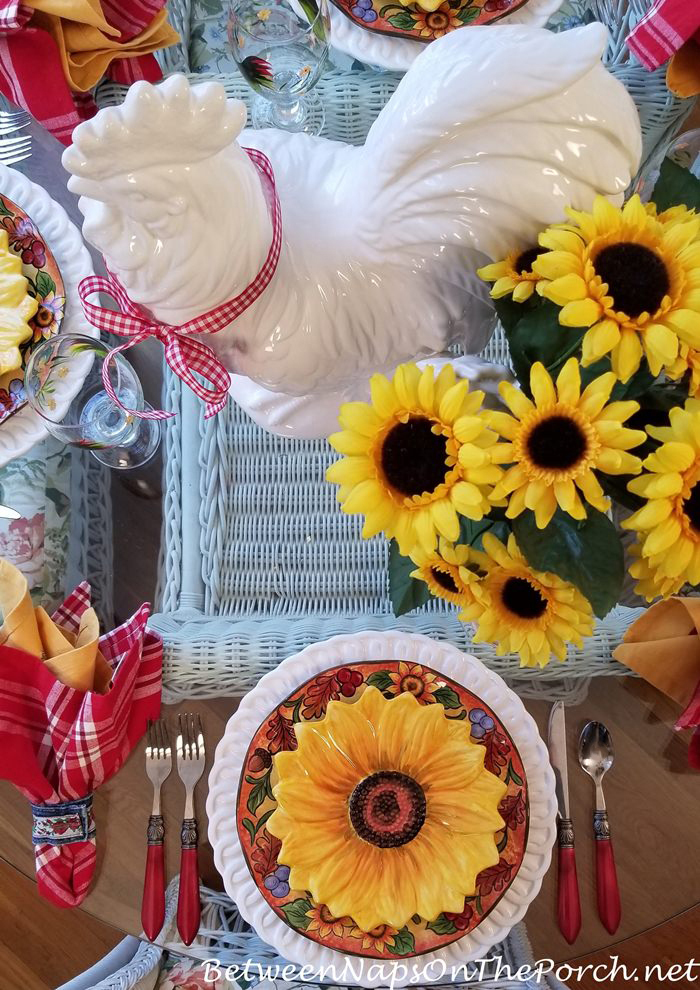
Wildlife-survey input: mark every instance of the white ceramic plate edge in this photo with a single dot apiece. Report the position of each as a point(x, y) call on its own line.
point(278, 684)
point(23, 429)
point(397, 54)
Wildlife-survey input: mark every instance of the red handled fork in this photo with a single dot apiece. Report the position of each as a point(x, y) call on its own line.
point(158, 766)
point(190, 766)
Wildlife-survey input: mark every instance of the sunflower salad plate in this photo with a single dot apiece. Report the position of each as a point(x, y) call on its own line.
point(366, 772)
point(54, 259)
point(40, 312)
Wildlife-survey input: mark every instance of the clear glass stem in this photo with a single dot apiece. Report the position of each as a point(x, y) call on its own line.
point(287, 114)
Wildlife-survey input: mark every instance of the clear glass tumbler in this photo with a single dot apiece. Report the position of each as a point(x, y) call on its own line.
point(281, 47)
point(63, 382)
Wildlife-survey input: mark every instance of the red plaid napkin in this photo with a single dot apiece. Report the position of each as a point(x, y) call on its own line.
point(57, 745)
point(665, 27)
point(31, 74)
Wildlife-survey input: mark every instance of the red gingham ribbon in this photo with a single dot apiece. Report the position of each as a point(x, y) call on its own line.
point(184, 355)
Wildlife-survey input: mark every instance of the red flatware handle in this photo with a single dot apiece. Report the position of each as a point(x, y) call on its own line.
point(568, 902)
point(609, 910)
point(188, 904)
point(153, 903)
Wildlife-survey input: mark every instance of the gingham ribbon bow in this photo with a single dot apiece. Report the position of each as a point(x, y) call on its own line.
point(185, 355)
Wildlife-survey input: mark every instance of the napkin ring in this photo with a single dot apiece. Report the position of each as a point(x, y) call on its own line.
point(61, 824)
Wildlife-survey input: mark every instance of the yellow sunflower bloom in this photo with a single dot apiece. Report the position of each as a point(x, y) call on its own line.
point(557, 441)
point(668, 524)
point(415, 457)
point(514, 275)
point(17, 307)
point(412, 678)
point(521, 610)
point(687, 362)
point(434, 21)
point(373, 789)
point(631, 278)
point(378, 938)
point(450, 571)
point(323, 922)
point(650, 583)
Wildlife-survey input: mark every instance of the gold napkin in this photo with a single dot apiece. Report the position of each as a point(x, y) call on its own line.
point(87, 43)
point(683, 72)
point(74, 659)
point(663, 647)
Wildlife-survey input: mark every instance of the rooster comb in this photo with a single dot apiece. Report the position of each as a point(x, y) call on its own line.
point(166, 124)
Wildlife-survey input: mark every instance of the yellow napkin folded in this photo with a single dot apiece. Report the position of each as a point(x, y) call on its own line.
point(87, 43)
point(663, 647)
point(74, 659)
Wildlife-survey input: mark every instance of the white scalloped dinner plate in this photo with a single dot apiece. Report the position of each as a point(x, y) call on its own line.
point(397, 54)
point(277, 685)
point(23, 429)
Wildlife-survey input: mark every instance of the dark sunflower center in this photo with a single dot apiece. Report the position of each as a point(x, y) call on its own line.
point(691, 507)
point(444, 579)
point(387, 809)
point(636, 276)
point(414, 459)
point(520, 597)
point(524, 261)
point(437, 20)
point(556, 442)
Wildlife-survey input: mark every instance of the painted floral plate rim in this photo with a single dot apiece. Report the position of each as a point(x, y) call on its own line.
point(45, 284)
point(309, 703)
point(394, 19)
point(398, 54)
point(279, 684)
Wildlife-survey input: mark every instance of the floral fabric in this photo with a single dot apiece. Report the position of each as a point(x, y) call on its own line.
point(38, 486)
point(178, 973)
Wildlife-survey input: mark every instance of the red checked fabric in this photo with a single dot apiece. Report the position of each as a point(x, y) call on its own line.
point(666, 26)
point(58, 744)
point(186, 356)
point(31, 74)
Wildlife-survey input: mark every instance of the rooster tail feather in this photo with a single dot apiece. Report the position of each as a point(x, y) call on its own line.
point(491, 133)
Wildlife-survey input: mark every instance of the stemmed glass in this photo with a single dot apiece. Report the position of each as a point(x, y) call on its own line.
point(63, 383)
point(281, 47)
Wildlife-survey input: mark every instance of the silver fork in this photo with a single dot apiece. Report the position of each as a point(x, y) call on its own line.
point(190, 766)
point(15, 149)
point(158, 767)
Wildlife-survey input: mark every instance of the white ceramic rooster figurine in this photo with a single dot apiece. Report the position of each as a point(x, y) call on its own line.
point(490, 134)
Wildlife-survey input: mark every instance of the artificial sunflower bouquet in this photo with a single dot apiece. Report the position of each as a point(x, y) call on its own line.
point(505, 512)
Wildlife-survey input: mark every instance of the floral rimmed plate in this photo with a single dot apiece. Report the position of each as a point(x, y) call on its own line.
point(389, 51)
point(45, 284)
point(25, 427)
point(282, 683)
point(255, 805)
point(393, 18)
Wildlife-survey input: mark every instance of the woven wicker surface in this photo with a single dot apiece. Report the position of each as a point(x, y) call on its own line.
point(257, 559)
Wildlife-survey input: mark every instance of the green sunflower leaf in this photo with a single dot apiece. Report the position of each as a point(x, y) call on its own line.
point(295, 913)
point(402, 21)
point(675, 186)
point(513, 775)
point(537, 336)
point(404, 943)
point(260, 791)
point(405, 592)
point(442, 926)
point(380, 679)
point(250, 828)
point(468, 14)
point(44, 285)
point(588, 553)
point(4, 212)
point(447, 697)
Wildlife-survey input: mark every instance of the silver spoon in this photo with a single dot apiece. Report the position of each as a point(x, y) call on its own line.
point(596, 755)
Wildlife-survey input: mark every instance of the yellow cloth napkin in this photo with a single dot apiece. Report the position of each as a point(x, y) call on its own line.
point(87, 43)
point(683, 72)
point(74, 659)
point(663, 647)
